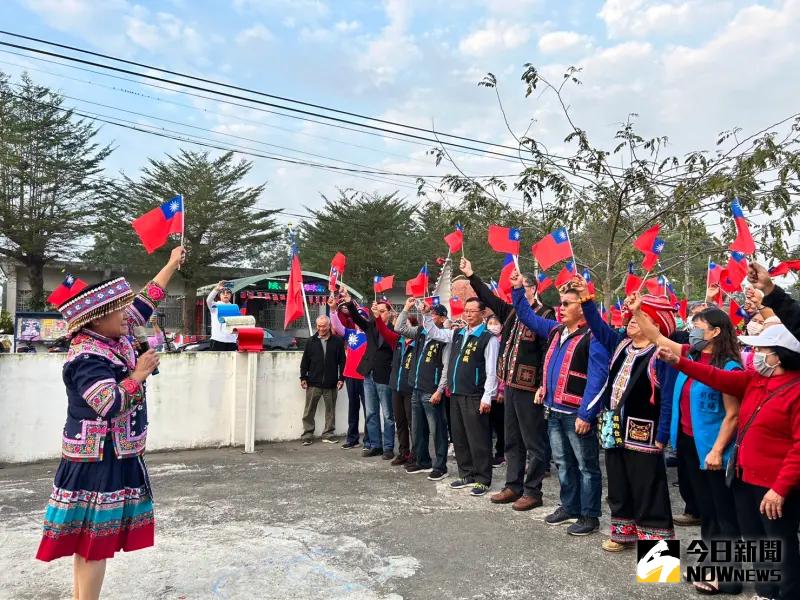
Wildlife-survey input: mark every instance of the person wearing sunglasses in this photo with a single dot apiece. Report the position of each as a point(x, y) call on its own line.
point(575, 369)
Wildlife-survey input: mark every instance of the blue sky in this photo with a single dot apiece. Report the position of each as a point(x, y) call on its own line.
point(689, 68)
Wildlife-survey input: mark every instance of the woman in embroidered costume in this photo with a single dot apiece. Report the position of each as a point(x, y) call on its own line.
point(638, 491)
point(101, 501)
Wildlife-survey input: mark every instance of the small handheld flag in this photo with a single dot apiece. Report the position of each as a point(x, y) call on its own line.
point(566, 274)
point(294, 291)
point(456, 307)
point(544, 282)
point(785, 267)
point(382, 284)
point(632, 281)
point(418, 286)
point(455, 240)
point(651, 256)
point(644, 243)
point(587, 276)
point(338, 265)
point(744, 240)
point(70, 287)
point(504, 284)
point(155, 227)
point(504, 239)
point(552, 248)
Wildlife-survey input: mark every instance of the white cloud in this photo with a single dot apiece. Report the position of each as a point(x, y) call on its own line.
point(162, 30)
point(640, 18)
point(394, 49)
point(495, 36)
point(304, 9)
point(256, 33)
point(347, 26)
point(563, 41)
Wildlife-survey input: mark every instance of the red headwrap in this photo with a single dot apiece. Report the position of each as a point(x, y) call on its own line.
point(661, 312)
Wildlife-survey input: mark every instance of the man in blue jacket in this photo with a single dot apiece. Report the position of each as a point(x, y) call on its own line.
point(575, 372)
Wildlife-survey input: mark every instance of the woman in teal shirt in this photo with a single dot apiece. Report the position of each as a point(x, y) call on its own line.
point(704, 424)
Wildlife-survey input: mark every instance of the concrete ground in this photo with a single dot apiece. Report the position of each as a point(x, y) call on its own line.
point(322, 522)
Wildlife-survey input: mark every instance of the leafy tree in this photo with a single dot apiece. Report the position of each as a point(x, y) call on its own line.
point(224, 225)
point(50, 174)
point(378, 234)
point(6, 323)
point(625, 188)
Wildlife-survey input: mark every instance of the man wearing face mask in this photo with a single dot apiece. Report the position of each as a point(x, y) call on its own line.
point(520, 369)
point(766, 457)
point(575, 370)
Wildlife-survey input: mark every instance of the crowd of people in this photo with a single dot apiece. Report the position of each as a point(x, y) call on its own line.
point(567, 384)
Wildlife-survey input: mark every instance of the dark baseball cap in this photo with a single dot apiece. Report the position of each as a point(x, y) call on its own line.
point(440, 309)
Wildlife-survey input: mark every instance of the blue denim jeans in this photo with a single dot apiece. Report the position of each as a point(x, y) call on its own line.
point(378, 397)
point(428, 418)
point(578, 460)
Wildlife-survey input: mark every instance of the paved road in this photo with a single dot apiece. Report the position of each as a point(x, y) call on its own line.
point(321, 522)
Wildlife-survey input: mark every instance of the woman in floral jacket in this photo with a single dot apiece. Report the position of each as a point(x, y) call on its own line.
point(101, 501)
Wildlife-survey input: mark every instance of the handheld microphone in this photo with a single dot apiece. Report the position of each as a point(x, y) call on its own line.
point(140, 333)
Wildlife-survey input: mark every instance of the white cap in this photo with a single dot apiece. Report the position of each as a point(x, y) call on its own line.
point(770, 337)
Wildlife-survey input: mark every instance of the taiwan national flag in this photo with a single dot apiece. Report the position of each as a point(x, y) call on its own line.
point(456, 307)
point(651, 256)
point(714, 273)
point(504, 283)
point(736, 313)
point(673, 297)
point(337, 270)
point(589, 284)
point(455, 240)
point(616, 314)
point(155, 227)
point(418, 286)
point(744, 240)
point(552, 248)
point(734, 273)
point(654, 287)
point(566, 274)
point(432, 301)
point(544, 282)
point(356, 347)
point(294, 291)
point(382, 284)
point(784, 267)
point(71, 286)
point(632, 281)
point(504, 239)
point(644, 243)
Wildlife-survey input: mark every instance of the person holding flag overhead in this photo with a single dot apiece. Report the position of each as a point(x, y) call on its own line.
point(520, 368)
point(472, 381)
point(636, 421)
point(427, 377)
point(575, 370)
point(376, 367)
point(101, 501)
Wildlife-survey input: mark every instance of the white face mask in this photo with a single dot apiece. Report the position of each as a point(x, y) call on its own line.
point(495, 329)
point(754, 327)
point(760, 364)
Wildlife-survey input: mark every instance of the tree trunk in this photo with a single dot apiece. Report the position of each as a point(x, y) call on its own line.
point(36, 281)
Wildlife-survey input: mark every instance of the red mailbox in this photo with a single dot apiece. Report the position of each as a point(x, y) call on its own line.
point(251, 339)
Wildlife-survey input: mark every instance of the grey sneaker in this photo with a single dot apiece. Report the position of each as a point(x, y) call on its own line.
point(560, 517)
point(307, 442)
point(330, 440)
point(584, 526)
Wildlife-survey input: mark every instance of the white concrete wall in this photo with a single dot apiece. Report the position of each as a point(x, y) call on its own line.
point(197, 400)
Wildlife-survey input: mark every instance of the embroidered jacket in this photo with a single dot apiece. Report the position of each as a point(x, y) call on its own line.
point(102, 398)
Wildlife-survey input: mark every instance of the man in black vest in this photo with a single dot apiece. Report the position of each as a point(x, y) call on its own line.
point(472, 380)
point(520, 367)
point(427, 376)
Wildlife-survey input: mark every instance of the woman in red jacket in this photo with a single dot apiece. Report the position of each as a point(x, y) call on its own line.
point(767, 484)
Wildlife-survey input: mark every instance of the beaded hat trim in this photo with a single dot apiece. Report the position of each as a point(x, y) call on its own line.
point(95, 302)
